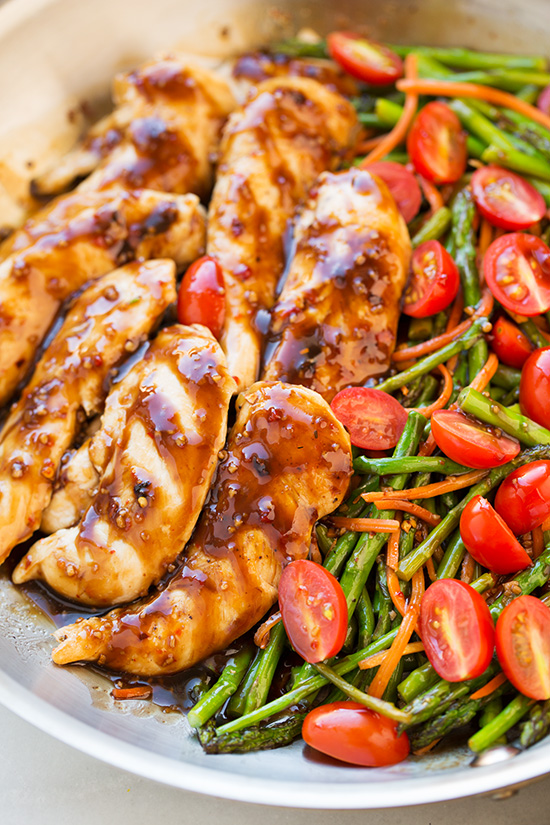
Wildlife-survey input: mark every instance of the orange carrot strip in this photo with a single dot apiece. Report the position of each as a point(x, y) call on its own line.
point(429, 490)
point(443, 398)
point(467, 569)
point(427, 748)
point(450, 88)
point(399, 131)
point(427, 447)
point(431, 193)
point(394, 589)
point(485, 374)
point(418, 350)
point(369, 144)
point(378, 658)
point(431, 569)
point(408, 507)
point(392, 553)
point(538, 542)
point(490, 687)
point(141, 692)
point(261, 636)
point(366, 525)
point(485, 238)
point(406, 629)
point(456, 312)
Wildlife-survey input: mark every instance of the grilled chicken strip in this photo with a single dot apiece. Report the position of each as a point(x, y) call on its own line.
point(254, 67)
point(161, 433)
point(335, 321)
point(288, 463)
point(273, 149)
point(163, 133)
point(84, 236)
point(107, 321)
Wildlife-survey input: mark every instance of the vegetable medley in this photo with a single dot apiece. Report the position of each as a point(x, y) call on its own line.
point(431, 610)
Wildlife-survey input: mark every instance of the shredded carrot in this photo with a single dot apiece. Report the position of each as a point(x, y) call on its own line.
point(538, 542)
point(379, 658)
point(456, 312)
point(490, 687)
point(431, 569)
point(261, 636)
point(450, 88)
point(394, 589)
point(431, 193)
point(392, 553)
point(467, 569)
point(141, 692)
point(408, 507)
point(418, 350)
point(485, 374)
point(399, 131)
point(369, 144)
point(429, 490)
point(427, 447)
point(366, 525)
point(399, 644)
point(443, 398)
point(427, 748)
point(485, 238)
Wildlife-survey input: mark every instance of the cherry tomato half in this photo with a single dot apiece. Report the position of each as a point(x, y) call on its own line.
point(433, 283)
point(506, 199)
point(523, 498)
point(201, 298)
point(517, 270)
point(437, 144)
point(365, 59)
point(489, 539)
point(534, 387)
point(466, 442)
point(314, 610)
point(510, 344)
point(350, 732)
point(402, 184)
point(523, 646)
point(457, 630)
point(373, 418)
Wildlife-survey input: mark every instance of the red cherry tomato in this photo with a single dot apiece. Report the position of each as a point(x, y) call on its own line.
point(534, 387)
point(523, 646)
point(437, 144)
point(433, 283)
point(201, 298)
point(457, 630)
point(373, 418)
point(523, 498)
point(510, 344)
point(517, 270)
point(489, 539)
point(506, 199)
point(543, 100)
point(365, 59)
point(402, 184)
point(352, 733)
point(466, 442)
point(314, 610)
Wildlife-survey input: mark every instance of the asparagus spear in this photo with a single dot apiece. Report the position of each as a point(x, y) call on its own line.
point(468, 59)
point(452, 558)
point(534, 334)
point(458, 714)
point(511, 422)
point(414, 464)
point(296, 47)
point(417, 682)
point(279, 731)
point(365, 619)
point(509, 717)
point(267, 664)
point(371, 702)
point(211, 702)
point(490, 712)
point(517, 160)
point(506, 377)
point(436, 226)
point(384, 602)
point(537, 725)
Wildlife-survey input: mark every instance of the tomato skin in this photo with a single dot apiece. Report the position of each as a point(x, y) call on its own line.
point(374, 419)
point(506, 199)
point(201, 297)
point(517, 270)
point(365, 59)
point(402, 184)
point(509, 343)
point(352, 733)
point(436, 144)
point(314, 610)
point(534, 387)
point(523, 646)
point(434, 281)
point(523, 498)
point(457, 630)
point(489, 539)
point(468, 443)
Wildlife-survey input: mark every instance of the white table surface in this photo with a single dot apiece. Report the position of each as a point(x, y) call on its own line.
point(44, 782)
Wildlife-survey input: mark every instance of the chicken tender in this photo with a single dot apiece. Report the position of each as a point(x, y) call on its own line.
point(287, 464)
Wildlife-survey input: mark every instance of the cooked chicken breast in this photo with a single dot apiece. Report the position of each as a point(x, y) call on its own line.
point(273, 149)
point(335, 321)
point(76, 483)
point(80, 238)
point(288, 463)
point(107, 321)
point(158, 445)
point(163, 133)
point(254, 67)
